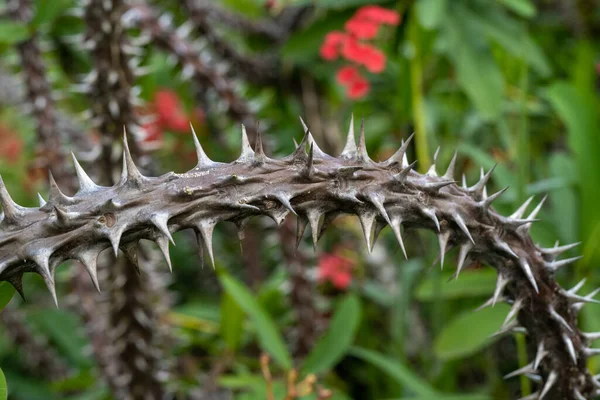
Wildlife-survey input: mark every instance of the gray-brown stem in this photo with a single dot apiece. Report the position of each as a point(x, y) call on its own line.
point(317, 187)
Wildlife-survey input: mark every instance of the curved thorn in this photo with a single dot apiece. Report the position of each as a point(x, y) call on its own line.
point(431, 214)
point(521, 210)
point(527, 369)
point(163, 244)
point(486, 204)
point(247, 153)
point(516, 307)
point(362, 153)
point(539, 355)
point(501, 283)
point(367, 219)
point(41, 200)
point(133, 174)
point(450, 171)
point(314, 218)
point(570, 348)
point(443, 238)
point(203, 160)
point(528, 273)
point(396, 224)
point(462, 225)
point(88, 259)
point(301, 223)
point(558, 318)
point(499, 244)
point(285, 201)
point(462, 257)
point(206, 229)
point(548, 385)
point(555, 265)
point(350, 148)
point(403, 174)
point(400, 154)
point(85, 182)
point(160, 221)
point(432, 171)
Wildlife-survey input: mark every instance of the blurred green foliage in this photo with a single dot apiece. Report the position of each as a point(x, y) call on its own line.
point(508, 81)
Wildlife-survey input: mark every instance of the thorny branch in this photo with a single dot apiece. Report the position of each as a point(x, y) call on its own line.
point(316, 187)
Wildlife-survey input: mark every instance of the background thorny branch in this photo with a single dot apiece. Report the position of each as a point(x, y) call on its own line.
point(77, 75)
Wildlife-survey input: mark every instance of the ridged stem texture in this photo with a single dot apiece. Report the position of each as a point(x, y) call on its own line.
point(317, 187)
point(133, 367)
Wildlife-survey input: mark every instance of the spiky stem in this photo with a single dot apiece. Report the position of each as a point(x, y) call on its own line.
point(39, 92)
point(208, 9)
point(260, 69)
point(132, 307)
point(314, 185)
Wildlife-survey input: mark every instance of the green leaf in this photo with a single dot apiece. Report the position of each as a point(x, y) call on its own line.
point(232, 321)
point(3, 387)
point(510, 34)
point(396, 370)
point(476, 283)
point(332, 346)
point(12, 32)
point(476, 70)
point(431, 12)
point(524, 8)
point(469, 332)
point(269, 337)
point(47, 11)
point(6, 294)
point(64, 329)
point(579, 113)
point(564, 203)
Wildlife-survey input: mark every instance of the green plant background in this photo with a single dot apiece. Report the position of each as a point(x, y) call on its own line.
point(508, 81)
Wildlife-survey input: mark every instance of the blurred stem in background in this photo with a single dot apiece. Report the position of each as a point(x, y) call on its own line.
point(524, 148)
point(416, 83)
point(522, 355)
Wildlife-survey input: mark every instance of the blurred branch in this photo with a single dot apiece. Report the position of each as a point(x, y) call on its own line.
point(256, 69)
point(193, 64)
point(39, 94)
point(208, 9)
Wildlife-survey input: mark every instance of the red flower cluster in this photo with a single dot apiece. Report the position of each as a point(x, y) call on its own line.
point(171, 116)
point(364, 24)
point(336, 268)
point(12, 145)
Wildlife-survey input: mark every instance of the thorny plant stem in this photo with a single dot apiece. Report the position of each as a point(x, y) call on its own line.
point(316, 187)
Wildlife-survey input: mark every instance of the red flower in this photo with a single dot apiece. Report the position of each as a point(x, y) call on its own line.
point(171, 114)
point(331, 46)
point(378, 14)
point(362, 28)
point(372, 58)
point(154, 132)
point(347, 75)
point(336, 269)
point(358, 88)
